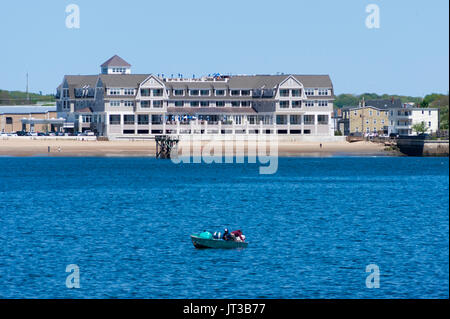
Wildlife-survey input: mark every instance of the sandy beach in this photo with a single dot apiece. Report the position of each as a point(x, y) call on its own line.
point(74, 148)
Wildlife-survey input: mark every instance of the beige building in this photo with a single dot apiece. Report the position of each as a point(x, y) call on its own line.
point(28, 118)
point(367, 119)
point(387, 117)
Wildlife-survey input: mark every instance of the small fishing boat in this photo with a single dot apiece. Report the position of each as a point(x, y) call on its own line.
point(203, 243)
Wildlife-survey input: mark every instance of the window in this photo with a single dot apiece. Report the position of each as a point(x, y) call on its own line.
point(114, 103)
point(129, 103)
point(429, 124)
point(220, 103)
point(245, 92)
point(179, 103)
point(370, 113)
point(156, 119)
point(204, 92)
point(295, 119)
point(145, 92)
point(143, 119)
point(194, 92)
point(284, 93)
point(128, 91)
point(220, 92)
point(323, 103)
point(429, 113)
point(281, 119)
point(114, 91)
point(374, 121)
point(322, 119)
point(309, 91)
point(284, 104)
point(296, 93)
point(235, 104)
point(9, 120)
point(204, 103)
point(114, 119)
point(296, 104)
point(157, 92)
point(323, 92)
point(158, 104)
point(145, 104)
point(245, 103)
point(128, 119)
point(309, 119)
point(309, 103)
point(178, 92)
point(378, 113)
point(235, 92)
point(194, 103)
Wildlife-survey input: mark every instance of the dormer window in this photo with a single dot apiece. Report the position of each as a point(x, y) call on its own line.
point(284, 93)
point(296, 93)
point(204, 92)
point(194, 92)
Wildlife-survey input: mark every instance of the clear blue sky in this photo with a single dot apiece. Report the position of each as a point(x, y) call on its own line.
point(408, 55)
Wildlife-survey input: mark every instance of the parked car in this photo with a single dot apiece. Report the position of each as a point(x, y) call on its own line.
point(89, 133)
point(393, 135)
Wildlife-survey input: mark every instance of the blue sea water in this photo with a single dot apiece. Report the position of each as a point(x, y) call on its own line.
point(313, 228)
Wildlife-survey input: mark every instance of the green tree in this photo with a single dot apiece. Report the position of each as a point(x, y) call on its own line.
point(420, 128)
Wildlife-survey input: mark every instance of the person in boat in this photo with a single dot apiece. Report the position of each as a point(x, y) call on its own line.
point(227, 235)
point(238, 235)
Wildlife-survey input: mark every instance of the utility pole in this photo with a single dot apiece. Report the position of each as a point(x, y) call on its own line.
point(28, 95)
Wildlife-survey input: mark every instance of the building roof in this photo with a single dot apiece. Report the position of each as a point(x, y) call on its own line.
point(85, 110)
point(26, 109)
point(123, 80)
point(116, 61)
point(385, 104)
point(272, 81)
point(233, 82)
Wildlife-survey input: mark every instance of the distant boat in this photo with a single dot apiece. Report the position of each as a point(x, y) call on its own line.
point(203, 243)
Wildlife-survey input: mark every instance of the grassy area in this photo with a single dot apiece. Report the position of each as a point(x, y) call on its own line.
point(20, 98)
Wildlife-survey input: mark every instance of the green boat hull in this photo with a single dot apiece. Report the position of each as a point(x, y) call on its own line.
point(202, 243)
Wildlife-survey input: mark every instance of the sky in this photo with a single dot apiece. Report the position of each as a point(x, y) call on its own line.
point(408, 54)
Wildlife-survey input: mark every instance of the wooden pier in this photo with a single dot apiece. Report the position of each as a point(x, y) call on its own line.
point(164, 145)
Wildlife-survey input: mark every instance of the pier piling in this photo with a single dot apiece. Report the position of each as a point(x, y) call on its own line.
point(164, 146)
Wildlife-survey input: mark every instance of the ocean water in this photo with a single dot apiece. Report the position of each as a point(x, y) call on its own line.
point(313, 228)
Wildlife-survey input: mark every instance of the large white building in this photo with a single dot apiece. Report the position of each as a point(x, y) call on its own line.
point(117, 103)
